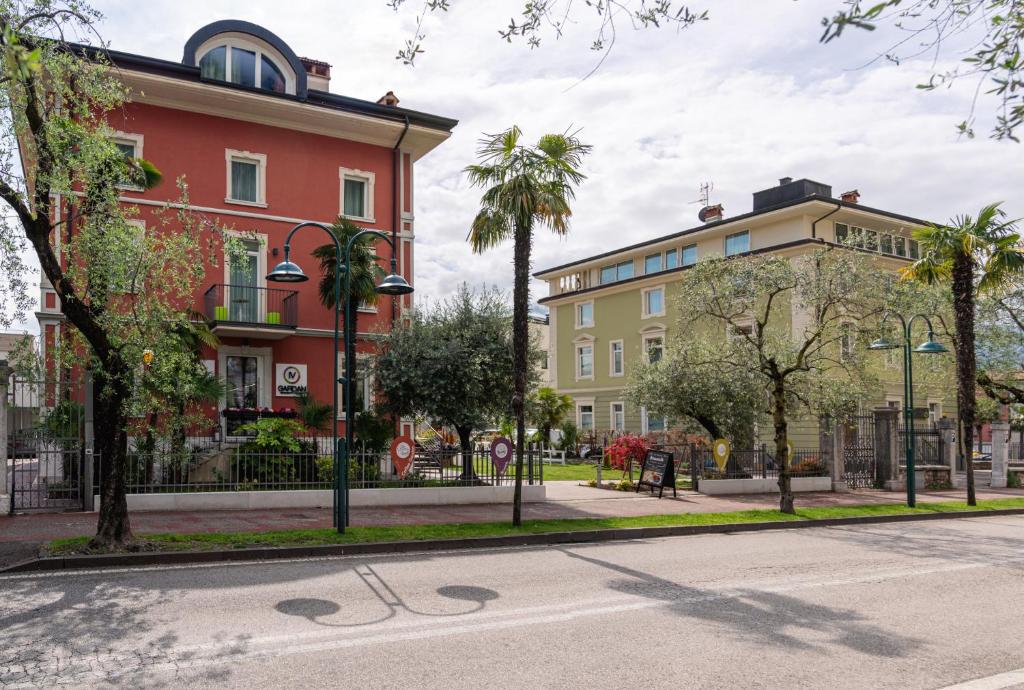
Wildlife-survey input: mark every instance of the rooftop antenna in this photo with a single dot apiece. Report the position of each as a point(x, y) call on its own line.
point(705, 194)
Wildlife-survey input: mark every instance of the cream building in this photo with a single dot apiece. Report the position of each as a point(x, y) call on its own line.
point(612, 310)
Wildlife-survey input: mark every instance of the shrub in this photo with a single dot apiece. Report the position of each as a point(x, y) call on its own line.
point(1013, 479)
point(810, 466)
point(626, 450)
point(372, 431)
point(570, 437)
point(276, 455)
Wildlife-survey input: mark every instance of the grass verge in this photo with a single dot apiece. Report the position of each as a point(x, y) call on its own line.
point(357, 535)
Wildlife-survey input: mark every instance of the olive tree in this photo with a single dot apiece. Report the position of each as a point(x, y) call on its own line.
point(452, 363)
point(785, 325)
point(121, 290)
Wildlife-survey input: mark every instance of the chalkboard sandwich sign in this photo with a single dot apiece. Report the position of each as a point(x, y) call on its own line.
point(657, 472)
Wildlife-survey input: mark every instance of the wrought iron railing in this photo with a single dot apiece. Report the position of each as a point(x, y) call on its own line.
point(244, 304)
point(246, 467)
point(758, 463)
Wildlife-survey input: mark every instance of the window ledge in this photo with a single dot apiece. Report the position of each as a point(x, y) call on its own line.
point(364, 219)
point(580, 326)
point(654, 315)
point(240, 202)
point(584, 378)
point(616, 376)
point(130, 188)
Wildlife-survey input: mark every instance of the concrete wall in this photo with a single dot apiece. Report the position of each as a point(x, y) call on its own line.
point(718, 487)
point(257, 500)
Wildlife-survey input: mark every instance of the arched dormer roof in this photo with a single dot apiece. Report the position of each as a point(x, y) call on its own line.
point(201, 40)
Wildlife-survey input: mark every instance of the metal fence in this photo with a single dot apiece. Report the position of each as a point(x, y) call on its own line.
point(928, 448)
point(211, 467)
point(758, 463)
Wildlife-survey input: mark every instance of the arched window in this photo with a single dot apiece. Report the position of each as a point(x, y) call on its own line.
point(246, 64)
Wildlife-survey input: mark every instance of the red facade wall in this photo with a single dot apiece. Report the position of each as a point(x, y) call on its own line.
point(302, 182)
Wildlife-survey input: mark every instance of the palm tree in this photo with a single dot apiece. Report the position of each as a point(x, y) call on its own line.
point(974, 255)
point(525, 186)
point(366, 274)
point(548, 409)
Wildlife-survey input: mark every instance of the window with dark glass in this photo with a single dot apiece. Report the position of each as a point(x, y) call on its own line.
point(271, 78)
point(899, 246)
point(737, 243)
point(244, 182)
point(842, 233)
point(616, 272)
point(243, 67)
point(214, 64)
point(355, 198)
point(885, 244)
point(690, 255)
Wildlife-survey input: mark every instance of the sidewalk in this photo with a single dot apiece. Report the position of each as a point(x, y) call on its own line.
point(565, 500)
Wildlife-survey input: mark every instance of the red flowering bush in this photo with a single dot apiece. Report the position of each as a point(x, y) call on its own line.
point(625, 450)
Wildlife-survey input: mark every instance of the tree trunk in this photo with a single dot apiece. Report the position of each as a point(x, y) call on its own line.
point(966, 368)
point(782, 447)
point(113, 528)
point(520, 345)
point(466, 444)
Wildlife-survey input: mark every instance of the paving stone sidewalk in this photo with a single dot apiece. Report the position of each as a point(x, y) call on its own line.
point(565, 500)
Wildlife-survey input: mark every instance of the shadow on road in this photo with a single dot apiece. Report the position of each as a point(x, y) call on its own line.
point(759, 616)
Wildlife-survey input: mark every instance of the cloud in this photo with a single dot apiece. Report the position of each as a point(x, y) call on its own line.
point(741, 100)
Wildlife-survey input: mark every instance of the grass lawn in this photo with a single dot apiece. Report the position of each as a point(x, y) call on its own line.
point(584, 473)
point(356, 535)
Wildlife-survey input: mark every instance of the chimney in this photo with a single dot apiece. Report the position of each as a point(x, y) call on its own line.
point(785, 180)
point(850, 197)
point(710, 214)
point(318, 74)
point(388, 99)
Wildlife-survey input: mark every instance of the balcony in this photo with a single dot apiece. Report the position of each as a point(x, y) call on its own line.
point(244, 311)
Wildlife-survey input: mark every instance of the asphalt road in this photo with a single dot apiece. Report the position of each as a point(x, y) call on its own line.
point(913, 605)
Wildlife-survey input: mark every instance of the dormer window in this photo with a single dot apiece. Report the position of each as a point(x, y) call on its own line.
point(245, 64)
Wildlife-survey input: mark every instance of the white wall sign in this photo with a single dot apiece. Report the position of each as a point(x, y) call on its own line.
point(289, 379)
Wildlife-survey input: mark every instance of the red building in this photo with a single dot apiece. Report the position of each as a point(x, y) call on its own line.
point(264, 145)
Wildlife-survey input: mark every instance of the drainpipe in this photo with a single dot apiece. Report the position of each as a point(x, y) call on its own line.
point(396, 156)
point(814, 225)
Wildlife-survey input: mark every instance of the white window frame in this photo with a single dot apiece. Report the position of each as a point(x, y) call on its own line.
point(847, 328)
point(138, 142)
point(576, 308)
point(611, 358)
point(230, 41)
point(645, 419)
point(731, 329)
point(938, 410)
point(611, 415)
point(580, 404)
point(649, 336)
point(260, 159)
point(578, 347)
point(369, 180)
point(643, 302)
point(141, 282)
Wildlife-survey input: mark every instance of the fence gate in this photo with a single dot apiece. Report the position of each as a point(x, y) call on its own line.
point(45, 444)
point(859, 467)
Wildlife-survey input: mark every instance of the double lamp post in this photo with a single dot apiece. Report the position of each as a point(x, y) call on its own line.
point(393, 285)
point(929, 347)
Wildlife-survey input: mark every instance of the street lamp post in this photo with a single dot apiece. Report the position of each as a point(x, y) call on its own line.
point(930, 346)
point(394, 285)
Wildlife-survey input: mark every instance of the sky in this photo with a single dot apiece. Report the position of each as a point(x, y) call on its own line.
point(741, 100)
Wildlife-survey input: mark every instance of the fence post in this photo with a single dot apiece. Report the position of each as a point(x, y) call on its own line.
point(88, 493)
point(1000, 453)
point(529, 458)
point(887, 447)
point(694, 470)
point(5, 489)
point(947, 430)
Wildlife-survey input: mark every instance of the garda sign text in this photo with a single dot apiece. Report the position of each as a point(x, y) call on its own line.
point(290, 379)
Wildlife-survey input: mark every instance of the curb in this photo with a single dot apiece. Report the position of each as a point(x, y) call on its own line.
point(130, 560)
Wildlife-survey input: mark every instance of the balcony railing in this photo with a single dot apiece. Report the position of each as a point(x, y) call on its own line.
point(252, 306)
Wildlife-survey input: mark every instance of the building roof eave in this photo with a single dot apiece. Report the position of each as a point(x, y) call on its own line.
point(816, 198)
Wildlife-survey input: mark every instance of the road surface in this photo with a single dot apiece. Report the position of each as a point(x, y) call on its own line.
point(911, 605)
